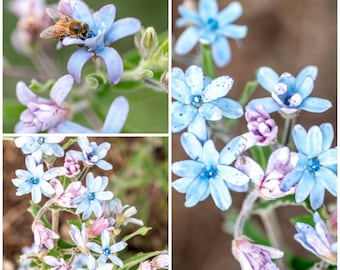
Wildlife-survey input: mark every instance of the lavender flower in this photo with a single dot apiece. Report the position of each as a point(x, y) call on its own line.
point(57, 264)
point(90, 201)
point(80, 238)
point(199, 99)
point(289, 94)
point(92, 154)
point(254, 257)
point(43, 237)
point(317, 240)
point(35, 180)
point(43, 114)
point(159, 262)
point(65, 197)
point(103, 32)
point(314, 171)
point(208, 26)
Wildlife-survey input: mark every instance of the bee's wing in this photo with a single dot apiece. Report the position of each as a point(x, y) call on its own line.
point(50, 32)
point(55, 14)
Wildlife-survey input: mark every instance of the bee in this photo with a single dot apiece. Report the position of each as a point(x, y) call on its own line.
point(64, 27)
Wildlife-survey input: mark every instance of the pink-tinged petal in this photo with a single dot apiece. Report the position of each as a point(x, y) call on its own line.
point(77, 61)
point(117, 115)
point(250, 167)
point(65, 6)
point(122, 28)
point(61, 89)
point(22, 127)
point(26, 96)
point(113, 62)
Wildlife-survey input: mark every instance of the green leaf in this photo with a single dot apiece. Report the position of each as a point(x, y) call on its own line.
point(141, 231)
point(248, 91)
point(271, 204)
point(95, 80)
point(69, 142)
point(12, 110)
point(138, 258)
point(41, 87)
point(61, 243)
point(261, 154)
point(304, 219)
point(208, 62)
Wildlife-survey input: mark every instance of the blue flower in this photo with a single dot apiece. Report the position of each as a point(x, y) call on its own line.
point(208, 26)
point(289, 94)
point(200, 98)
point(92, 154)
point(208, 172)
point(315, 167)
point(35, 180)
point(317, 240)
point(114, 122)
point(37, 146)
point(90, 201)
point(103, 32)
point(106, 250)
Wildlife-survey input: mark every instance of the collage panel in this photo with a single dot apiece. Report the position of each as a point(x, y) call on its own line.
point(254, 128)
point(85, 202)
point(85, 66)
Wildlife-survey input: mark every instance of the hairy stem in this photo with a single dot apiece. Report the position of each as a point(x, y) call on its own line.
point(55, 220)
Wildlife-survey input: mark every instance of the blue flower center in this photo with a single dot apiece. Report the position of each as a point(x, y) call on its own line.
point(212, 24)
point(107, 251)
point(41, 140)
point(91, 196)
point(196, 101)
point(34, 180)
point(209, 172)
point(313, 165)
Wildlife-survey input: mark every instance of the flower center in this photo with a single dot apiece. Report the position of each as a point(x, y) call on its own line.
point(91, 196)
point(41, 140)
point(313, 165)
point(212, 24)
point(34, 180)
point(107, 251)
point(209, 172)
point(196, 101)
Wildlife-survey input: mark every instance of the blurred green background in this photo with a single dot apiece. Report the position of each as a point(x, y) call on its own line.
point(148, 108)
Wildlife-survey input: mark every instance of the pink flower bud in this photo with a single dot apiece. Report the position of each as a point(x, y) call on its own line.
point(97, 227)
point(43, 237)
point(71, 165)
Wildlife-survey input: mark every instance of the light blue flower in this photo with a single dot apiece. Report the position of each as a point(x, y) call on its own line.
point(317, 240)
point(92, 154)
point(103, 31)
point(114, 122)
point(200, 98)
point(289, 94)
point(35, 180)
point(314, 171)
point(39, 145)
point(208, 172)
point(94, 194)
point(107, 251)
point(209, 26)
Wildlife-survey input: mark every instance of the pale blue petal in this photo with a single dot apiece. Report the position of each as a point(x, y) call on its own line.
point(30, 163)
point(77, 61)
point(177, 73)
point(308, 71)
point(329, 157)
point(78, 200)
point(87, 212)
point(116, 260)
point(299, 237)
point(61, 89)
point(102, 259)
point(182, 115)
point(233, 31)
point(302, 162)
point(122, 28)
point(210, 112)
point(207, 36)
point(299, 135)
point(113, 62)
point(24, 188)
point(230, 13)
point(220, 194)
point(198, 128)
point(327, 135)
point(95, 247)
point(314, 142)
point(82, 12)
point(243, 188)
point(305, 186)
point(209, 154)
point(328, 179)
point(191, 145)
point(187, 41)
point(267, 78)
point(305, 88)
point(52, 173)
point(23, 174)
point(232, 150)
point(46, 188)
point(97, 208)
point(268, 103)
point(180, 90)
point(232, 175)
point(194, 78)
point(291, 179)
point(118, 247)
point(82, 206)
point(104, 195)
point(77, 154)
point(116, 116)
point(90, 182)
point(36, 194)
point(71, 127)
point(182, 184)
point(208, 9)
point(195, 192)
point(230, 108)
point(104, 17)
point(187, 168)
point(314, 104)
point(221, 51)
point(188, 16)
point(37, 155)
point(218, 88)
point(102, 149)
point(28, 144)
point(317, 195)
point(52, 149)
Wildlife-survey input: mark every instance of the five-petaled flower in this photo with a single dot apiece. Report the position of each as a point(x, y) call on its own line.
point(103, 31)
point(200, 98)
point(289, 94)
point(208, 172)
point(316, 166)
point(208, 26)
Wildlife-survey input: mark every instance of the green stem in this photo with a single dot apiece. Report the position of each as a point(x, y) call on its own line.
point(289, 123)
point(208, 62)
